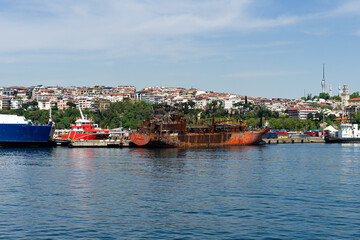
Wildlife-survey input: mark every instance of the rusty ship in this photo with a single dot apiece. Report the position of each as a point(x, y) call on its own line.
point(170, 130)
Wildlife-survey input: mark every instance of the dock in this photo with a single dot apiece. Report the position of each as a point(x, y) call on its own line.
point(294, 140)
point(126, 143)
point(100, 143)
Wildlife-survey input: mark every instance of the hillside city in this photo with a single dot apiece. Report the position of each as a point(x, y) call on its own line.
point(98, 98)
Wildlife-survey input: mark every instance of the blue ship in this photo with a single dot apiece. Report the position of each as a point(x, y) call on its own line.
point(17, 131)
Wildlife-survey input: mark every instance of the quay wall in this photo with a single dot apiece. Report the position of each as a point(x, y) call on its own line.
point(294, 140)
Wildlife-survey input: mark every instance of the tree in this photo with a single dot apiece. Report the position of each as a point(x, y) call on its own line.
point(336, 98)
point(356, 117)
point(71, 104)
point(310, 116)
point(319, 116)
point(55, 108)
point(30, 105)
point(355, 95)
point(309, 97)
point(325, 96)
point(331, 117)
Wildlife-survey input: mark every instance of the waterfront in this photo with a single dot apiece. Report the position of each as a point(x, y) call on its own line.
point(304, 191)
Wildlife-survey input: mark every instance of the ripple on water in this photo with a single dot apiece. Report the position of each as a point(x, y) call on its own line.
point(305, 191)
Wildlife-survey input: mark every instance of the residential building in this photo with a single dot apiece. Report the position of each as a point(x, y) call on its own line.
point(44, 104)
point(100, 105)
point(302, 112)
point(16, 103)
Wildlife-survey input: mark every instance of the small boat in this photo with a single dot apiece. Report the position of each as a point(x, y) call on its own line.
point(85, 129)
point(171, 131)
point(18, 131)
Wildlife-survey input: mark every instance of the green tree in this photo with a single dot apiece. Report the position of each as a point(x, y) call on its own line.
point(71, 104)
point(55, 108)
point(325, 96)
point(356, 117)
point(30, 105)
point(355, 95)
point(336, 98)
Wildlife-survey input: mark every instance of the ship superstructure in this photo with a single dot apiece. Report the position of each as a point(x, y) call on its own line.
point(85, 129)
point(348, 132)
point(171, 131)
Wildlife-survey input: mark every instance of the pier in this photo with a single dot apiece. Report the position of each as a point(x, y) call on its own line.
point(126, 143)
point(95, 143)
point(294, 140)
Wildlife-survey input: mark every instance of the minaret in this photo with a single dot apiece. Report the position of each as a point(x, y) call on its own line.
point(339, 89)
point(323, 80)
point(345, 95)
point(330, 90)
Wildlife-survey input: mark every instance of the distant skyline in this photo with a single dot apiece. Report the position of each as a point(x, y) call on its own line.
point(262, 48)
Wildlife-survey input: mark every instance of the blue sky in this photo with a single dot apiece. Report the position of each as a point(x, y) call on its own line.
point(268, 48)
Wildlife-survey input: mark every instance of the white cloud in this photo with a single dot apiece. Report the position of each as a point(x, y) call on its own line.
point(268, 45)
point(121, 27)
point(348, 7)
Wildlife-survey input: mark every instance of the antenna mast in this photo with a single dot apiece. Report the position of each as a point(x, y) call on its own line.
point(323, 80)
point(82, 116)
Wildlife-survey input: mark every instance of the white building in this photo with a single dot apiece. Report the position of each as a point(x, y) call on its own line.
point(302, 112)
point(4, 103)
point(229, 102)
point(44, 104)
point(16, 103)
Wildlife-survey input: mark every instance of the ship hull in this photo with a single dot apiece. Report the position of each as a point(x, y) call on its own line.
point(25, 135)
point(219, 139)
point(90, 136)
point(342, 140)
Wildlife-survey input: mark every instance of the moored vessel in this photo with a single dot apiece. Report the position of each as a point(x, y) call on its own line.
point(171, 131)
point(85, 129)
point(348, 133)
point(18, 131)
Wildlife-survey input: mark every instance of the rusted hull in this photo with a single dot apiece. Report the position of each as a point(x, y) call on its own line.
point(220, 139)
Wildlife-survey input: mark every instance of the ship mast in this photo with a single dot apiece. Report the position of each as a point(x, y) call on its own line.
point(50, 120)
point(82, 115)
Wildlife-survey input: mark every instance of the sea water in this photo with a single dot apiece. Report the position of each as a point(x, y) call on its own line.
point(285, 191)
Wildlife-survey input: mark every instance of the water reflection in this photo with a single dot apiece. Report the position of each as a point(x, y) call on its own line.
point(160, 160)
point(274, 191)
point(26, 156)
point(157, 152)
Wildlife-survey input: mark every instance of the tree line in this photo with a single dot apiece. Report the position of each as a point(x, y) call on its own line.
point(130, 114)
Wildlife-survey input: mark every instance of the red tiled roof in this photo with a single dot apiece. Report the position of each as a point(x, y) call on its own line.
point(17, 87)
point(338, 119)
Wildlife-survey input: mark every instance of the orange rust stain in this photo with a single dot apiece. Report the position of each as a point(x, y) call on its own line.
point(139, 139)
point(247, 138)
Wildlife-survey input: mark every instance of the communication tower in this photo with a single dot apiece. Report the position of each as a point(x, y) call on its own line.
point(323, 80)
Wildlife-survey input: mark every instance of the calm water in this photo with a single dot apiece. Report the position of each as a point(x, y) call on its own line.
point(293, 191)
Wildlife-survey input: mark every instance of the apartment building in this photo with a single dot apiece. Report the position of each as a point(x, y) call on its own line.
point(302, 112)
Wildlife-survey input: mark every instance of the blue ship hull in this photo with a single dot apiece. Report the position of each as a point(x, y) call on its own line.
point(25, 134)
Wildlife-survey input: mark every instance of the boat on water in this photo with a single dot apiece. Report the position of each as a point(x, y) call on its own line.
point(18, 131)
point(348, 133)
point(85, 129)
point(170, 130)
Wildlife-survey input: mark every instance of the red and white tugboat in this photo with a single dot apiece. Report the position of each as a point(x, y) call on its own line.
point(85, 129)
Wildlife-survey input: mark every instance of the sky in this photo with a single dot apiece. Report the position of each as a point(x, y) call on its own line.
point(257, 48)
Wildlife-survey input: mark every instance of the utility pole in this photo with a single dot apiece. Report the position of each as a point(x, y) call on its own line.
point(121, 115)
point(323, 125)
